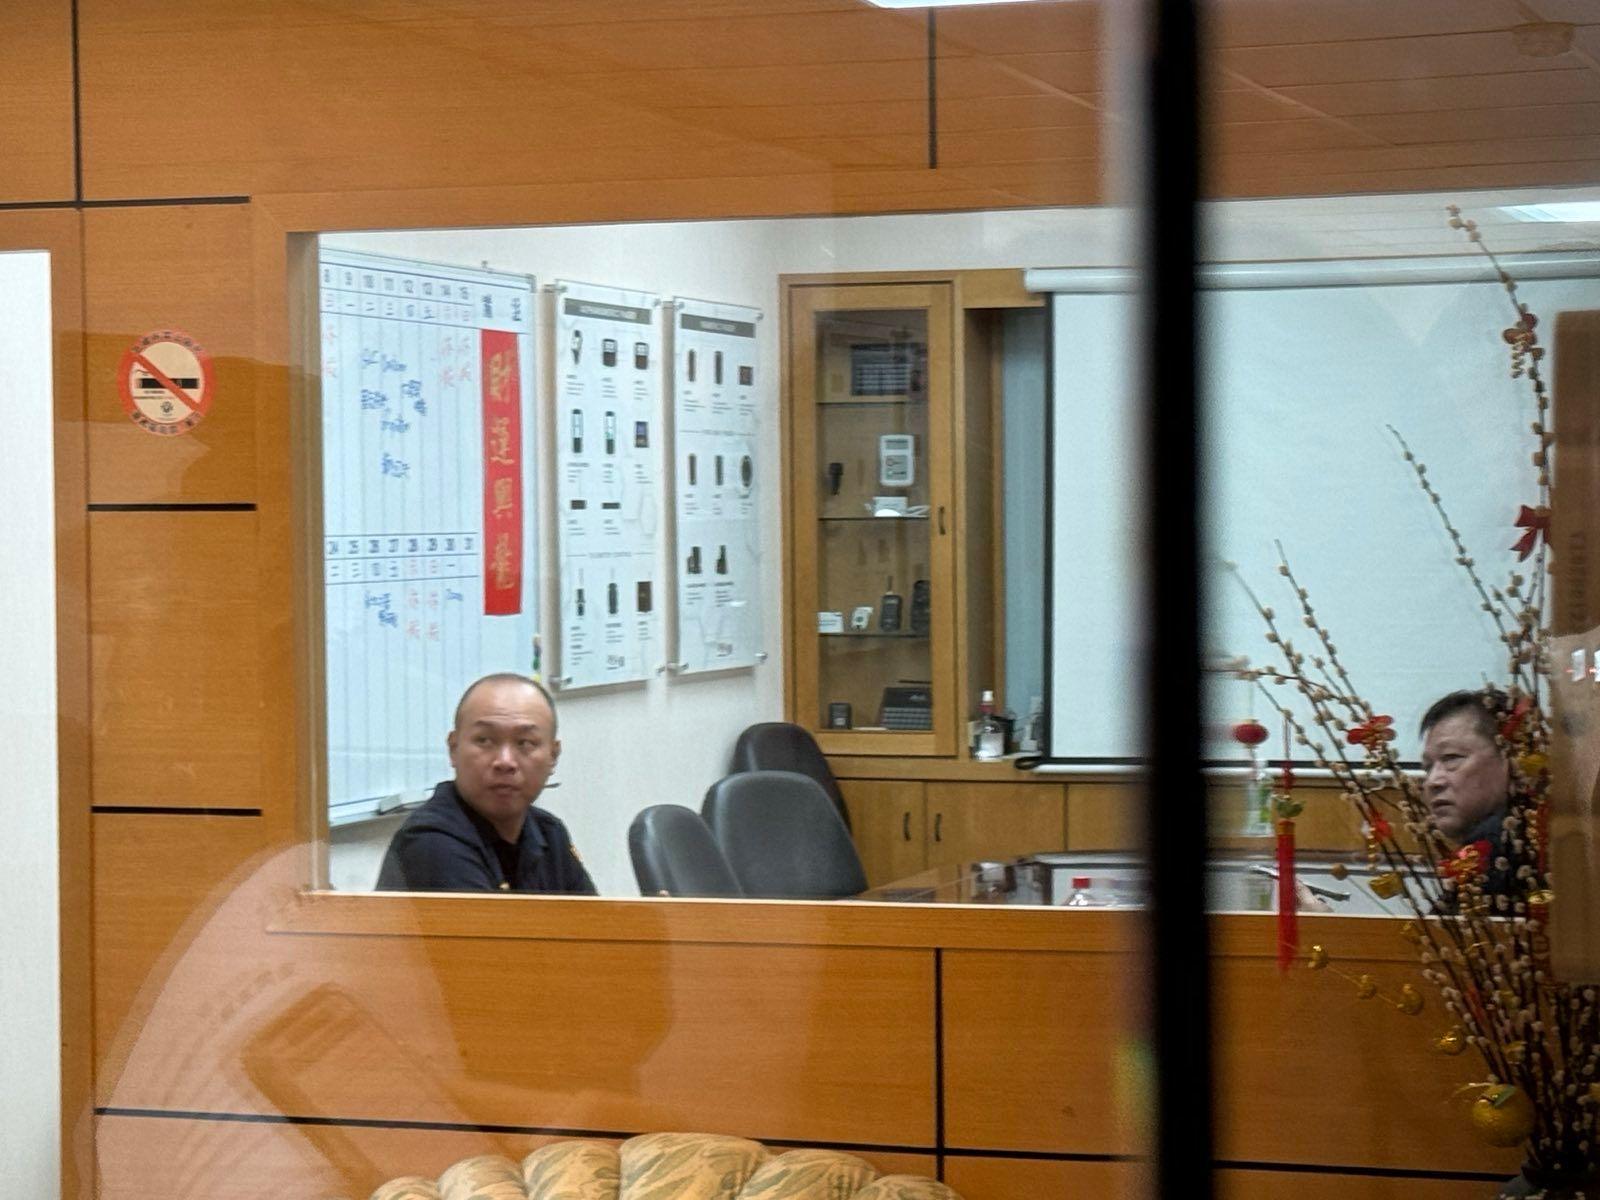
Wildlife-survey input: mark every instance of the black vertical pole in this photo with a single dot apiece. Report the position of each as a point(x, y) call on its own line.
point(1179, 950)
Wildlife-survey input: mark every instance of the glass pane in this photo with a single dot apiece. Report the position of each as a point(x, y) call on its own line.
point(873, 521)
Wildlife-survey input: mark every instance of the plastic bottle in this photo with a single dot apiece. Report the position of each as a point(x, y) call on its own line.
point(991, 740)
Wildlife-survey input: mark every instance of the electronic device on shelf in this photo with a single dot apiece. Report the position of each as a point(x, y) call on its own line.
point(889, 609)
point(907, 707)
point(921, 606)
point(897, 460)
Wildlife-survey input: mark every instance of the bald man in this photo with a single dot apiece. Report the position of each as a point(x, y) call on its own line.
point(482, 831)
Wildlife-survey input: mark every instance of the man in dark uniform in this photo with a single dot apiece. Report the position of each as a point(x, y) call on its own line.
point(1467, 781)
point(482, 831)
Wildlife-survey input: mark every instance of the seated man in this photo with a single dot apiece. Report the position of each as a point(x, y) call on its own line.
point(482, 832)
point(1466, 780)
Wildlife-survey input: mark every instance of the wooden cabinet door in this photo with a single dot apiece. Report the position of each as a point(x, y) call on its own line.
point(968, 821)
point(888, 820)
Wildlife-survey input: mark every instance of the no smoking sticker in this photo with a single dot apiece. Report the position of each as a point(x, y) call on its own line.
point(166, 382)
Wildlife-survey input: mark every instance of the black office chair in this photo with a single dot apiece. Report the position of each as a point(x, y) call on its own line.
point(675, 854)
point(783, 837)
point(780, 746)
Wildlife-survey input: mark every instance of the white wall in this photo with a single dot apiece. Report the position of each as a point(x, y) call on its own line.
point(668, 740)
point(30, 989)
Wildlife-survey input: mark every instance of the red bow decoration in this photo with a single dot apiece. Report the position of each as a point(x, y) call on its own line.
point(1513, 721)
point(1536, 524)
point(1371, 733)
point(1380, 827)
point(1468, 862)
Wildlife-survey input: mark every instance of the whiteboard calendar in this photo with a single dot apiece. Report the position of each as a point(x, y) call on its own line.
point(429, 516)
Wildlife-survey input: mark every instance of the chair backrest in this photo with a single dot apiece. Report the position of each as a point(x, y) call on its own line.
point(783, 837)
point(780, 746)
point(675, 854)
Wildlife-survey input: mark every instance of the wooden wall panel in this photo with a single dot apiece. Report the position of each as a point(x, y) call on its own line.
point(827, 1044)
point(186, 268)
point(36, 138)
point(1304, 1185)
point(159, 1158)
point(1363, 1082)
point(458, 93)
point(1041, 1049)
point(177, 698)
point(978, 1178)
point(1035, 1051)
point(153, 1158)
point(153, 873)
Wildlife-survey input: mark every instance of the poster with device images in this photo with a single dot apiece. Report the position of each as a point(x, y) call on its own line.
point(607, 418)
point(716, 394)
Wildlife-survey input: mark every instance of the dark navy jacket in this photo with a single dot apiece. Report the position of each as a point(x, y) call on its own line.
point(445, 846)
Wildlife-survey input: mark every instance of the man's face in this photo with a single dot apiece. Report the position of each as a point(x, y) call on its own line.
point(1465, 777)
point(503, 752)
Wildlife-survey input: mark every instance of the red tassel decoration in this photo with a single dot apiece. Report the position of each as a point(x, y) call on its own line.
point(1288, 902)
point(1284, 809)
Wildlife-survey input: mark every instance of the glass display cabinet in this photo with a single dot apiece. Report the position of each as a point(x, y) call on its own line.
point(872, 548)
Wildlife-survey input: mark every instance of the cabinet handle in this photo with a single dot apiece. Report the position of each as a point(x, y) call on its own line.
point(905, 826)
point(938, 820)
point(941, 520)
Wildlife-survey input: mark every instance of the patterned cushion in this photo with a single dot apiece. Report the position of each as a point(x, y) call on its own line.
point(905, 1187)
point(666, 1166)
point(488, 1177)
point(811, 1173)
point(407, 1187)
point(687, 1166)
point(573, 1171)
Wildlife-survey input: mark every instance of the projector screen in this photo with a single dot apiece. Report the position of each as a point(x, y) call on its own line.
point(1300, 384)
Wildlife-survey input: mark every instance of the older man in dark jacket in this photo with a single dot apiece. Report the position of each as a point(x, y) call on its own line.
point(482, 832)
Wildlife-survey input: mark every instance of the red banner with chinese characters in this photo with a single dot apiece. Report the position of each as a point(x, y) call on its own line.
point(502, 474)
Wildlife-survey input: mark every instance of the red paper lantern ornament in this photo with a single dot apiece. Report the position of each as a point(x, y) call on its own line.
point(1250, 733)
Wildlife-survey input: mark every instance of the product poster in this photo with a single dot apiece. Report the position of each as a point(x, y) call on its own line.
point(717, 476)
point(607, 399)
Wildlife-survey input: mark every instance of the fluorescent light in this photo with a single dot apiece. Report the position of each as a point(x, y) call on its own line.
point(1567, 210)
point(939, 3)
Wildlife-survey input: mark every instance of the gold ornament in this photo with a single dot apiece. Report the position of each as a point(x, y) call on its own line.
point(1385, 886)
point(1516, 1053)
point(1410, 1001)
point(1450, 1043)
point(1532, 764)
point(1317, 959)
point(1412, 934)
point(1339, 871)
point(1366, 988)
point(1503, 1115)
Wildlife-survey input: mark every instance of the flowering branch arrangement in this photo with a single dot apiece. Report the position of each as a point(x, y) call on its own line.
point(1479, 912)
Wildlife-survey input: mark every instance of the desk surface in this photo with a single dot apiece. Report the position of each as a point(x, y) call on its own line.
point(1236, 883)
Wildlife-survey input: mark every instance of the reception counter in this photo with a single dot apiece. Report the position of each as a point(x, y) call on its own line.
point(291, 1043)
